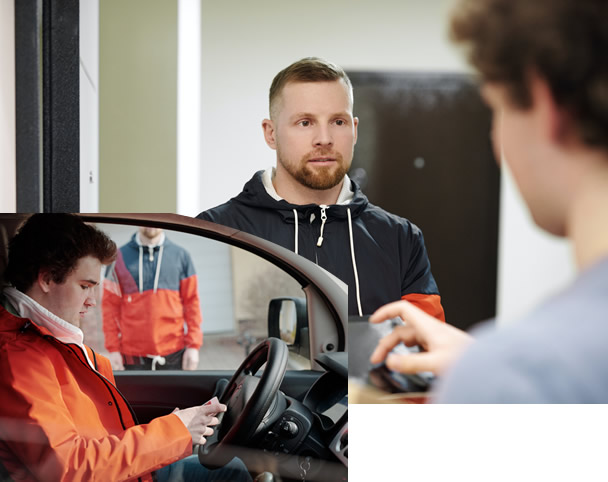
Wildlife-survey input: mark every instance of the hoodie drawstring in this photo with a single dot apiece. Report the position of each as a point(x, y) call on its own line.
point(141, 271)
point(156, 359)
point(320, 242)
point(295, 213)
point(323, 219)
point(352, 252)
point(141, 278)
point(160, 258)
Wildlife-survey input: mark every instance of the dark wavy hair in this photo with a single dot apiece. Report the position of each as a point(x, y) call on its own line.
point(565, 42)
point(54, 243)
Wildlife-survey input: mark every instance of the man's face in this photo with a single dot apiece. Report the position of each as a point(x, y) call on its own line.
point(313, 132)
point(71, 299)
point(150, 233)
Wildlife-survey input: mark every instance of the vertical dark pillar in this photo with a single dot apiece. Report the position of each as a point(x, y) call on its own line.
point(48, 113)
point(28, 101)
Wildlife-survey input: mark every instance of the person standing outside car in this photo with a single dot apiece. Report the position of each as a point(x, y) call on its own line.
point(544, 75)
point(308, 204)
point(151, 293)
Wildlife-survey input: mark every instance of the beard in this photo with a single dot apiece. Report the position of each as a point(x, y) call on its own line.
point(320, 177)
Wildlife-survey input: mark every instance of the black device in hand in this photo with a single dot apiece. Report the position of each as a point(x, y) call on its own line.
point(363, 337)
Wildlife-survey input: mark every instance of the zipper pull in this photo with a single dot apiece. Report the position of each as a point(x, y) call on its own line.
point(323, 219)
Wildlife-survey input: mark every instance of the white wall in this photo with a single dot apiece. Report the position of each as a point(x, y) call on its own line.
point(246, 43)
point(188, 104)
point(89, 106)
point(8, 202)
point(532, 264)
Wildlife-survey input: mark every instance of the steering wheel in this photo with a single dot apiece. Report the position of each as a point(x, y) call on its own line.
point(247, 398)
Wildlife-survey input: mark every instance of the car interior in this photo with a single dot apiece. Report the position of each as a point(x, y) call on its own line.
point(274, 350)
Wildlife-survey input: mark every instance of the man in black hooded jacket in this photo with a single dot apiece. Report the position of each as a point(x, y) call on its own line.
point(308, 204)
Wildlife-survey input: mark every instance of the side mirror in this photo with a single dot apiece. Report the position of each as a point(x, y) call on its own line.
point(288, 321)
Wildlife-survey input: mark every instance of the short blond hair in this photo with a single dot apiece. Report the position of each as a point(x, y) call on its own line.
point(309, 69)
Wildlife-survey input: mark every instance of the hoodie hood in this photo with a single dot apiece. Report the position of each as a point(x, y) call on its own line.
point(150, 251)
point(25, 307)
point(260, 193)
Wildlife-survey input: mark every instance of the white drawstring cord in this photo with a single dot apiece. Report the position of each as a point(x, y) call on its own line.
point(295, 213)
point(160, 258)
point(141, 271)
point(157, 359)
point(352, 251)
point(323, 219)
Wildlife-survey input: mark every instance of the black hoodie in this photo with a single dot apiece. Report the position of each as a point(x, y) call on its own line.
point(390, 258)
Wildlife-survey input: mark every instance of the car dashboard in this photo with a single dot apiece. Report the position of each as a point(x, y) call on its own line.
point(313, 432)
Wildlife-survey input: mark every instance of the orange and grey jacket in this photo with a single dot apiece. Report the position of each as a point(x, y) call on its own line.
point(380, 256)
point(148, 296)
point(62, 417)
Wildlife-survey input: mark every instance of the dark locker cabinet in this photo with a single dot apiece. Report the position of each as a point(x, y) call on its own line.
point(424, 153)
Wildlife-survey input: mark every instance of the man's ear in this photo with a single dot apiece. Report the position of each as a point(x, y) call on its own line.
point(44, 281)
point(355, 125)
point(554, 121)
point(269, 133)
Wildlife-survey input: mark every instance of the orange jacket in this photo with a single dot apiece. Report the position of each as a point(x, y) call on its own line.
point(144, 314)
point(149, 323)
point(62, 420)
point(431, 304)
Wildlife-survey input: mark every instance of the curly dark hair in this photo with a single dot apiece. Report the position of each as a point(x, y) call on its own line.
point(563, 41)
point(54, 243)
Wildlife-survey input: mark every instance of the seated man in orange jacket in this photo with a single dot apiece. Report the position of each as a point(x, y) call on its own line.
point(62, 417)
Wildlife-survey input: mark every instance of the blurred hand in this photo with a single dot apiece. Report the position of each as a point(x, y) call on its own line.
point(190, 359)
point(199, 420)
point(116, 360)
point(442, 343)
